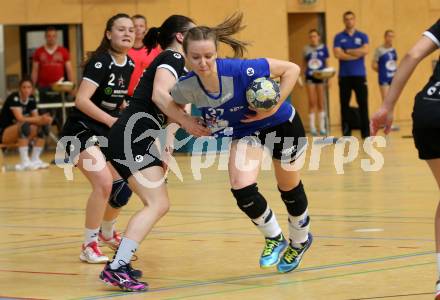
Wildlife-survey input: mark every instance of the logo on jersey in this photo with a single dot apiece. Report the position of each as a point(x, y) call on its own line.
point(177, 55)
point(121, 82)
point(139, 158)
point(108, 91)
point(358, 41)
point(236, 108)
point(16, 99)
point(98, 65)
point(250, 71)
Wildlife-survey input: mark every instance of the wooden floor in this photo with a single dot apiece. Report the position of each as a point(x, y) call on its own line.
point(373, 235)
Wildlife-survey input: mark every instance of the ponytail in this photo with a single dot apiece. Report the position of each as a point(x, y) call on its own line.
point(151, 38)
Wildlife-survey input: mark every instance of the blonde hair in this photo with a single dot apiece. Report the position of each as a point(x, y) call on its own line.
point(220, 33)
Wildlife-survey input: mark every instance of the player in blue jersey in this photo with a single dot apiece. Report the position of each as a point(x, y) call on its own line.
point(426, 114)
point(385, 64)
point(315, 58)
point(217, 87)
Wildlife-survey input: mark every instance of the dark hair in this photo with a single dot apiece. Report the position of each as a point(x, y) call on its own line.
point(50, 28)
point(105, 44)
point(139, 17)
point(388, 31)
point(348, 12)
point(220, 33)
point(166, 33)
point(314, 30)
point(25, 79)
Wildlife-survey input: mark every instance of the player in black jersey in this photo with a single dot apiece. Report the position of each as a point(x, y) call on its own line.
point(426, 113)
point(147, 113)
point(20, 123)
point(99, 100)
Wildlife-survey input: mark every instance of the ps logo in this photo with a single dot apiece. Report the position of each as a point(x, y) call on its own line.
point(139, 158)
point(177, 55)
point(98, 65)
point(250, 72)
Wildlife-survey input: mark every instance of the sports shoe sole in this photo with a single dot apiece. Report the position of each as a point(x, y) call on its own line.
point(84, 259)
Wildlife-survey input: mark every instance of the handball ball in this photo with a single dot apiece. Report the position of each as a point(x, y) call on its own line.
point(263, 94)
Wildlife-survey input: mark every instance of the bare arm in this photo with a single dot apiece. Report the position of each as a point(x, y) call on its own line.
point(33, 119)
point(358, 52)
point(384, 116)
point(164, 80)
point(375, 65)
point(69, 71)
point(341, 55)
point(84, 104)
point(34, 74)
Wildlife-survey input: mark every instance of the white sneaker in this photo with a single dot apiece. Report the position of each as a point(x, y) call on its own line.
point(92, 254)
point(39, 164)
point(23, 166)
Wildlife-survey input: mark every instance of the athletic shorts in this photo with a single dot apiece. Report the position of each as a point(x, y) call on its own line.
point(79, 134)
point(286, 141)
point(427, 142)
point(134, 148)
point(313, 80)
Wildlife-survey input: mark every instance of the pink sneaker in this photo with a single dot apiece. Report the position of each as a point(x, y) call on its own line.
point(121, 278)
point(92, 254)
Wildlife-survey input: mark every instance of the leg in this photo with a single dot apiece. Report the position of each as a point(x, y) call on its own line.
point(101, 181)
point(19, 133)
point(251, 202)
point(295, 199)
point(321, 112)
point(119, 197)
point(156, 205)
point(344, 98)
point(361, 91)
point(313, 98)
point(39, 134)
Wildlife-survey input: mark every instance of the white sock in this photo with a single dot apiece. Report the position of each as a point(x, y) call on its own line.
point(24, 156)
point(36, 152)
point(312, 121)
point(107, 228)
point(124, 254)
point(90, 235)
point(267, 223)
point(322, 120)
point(438, 263)
point(299, 228)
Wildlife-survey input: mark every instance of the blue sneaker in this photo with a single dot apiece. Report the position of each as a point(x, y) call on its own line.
point(272, 251)
point(292, 257)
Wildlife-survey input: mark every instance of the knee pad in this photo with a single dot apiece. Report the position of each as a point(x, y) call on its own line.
point(24, 130)
point(250, 201)
point(120, 194)
point(295, 200)
point(43, 131)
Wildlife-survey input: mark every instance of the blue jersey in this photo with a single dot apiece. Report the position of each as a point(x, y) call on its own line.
point(345, 41)
point(315, 58)
point(223, 113)
point(386, 59)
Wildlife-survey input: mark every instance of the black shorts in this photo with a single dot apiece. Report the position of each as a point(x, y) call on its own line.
point(129, 155)
point(313, 80)
point(427, 141)
point(286, 141)
point(80, 134)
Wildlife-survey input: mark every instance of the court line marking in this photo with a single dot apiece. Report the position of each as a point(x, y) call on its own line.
point(214, 282)
point(34, 272)
point(272, 274)
point(392, 296)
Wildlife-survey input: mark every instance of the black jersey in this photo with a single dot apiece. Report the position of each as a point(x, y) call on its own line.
point(112, 82)
point(7, 117)
point(427, 104)
point(168, 59)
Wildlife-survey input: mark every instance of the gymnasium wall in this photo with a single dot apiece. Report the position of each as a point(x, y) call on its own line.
point(267, 27)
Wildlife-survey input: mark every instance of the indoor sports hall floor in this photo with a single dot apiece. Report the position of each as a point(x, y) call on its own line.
point(373, 235)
